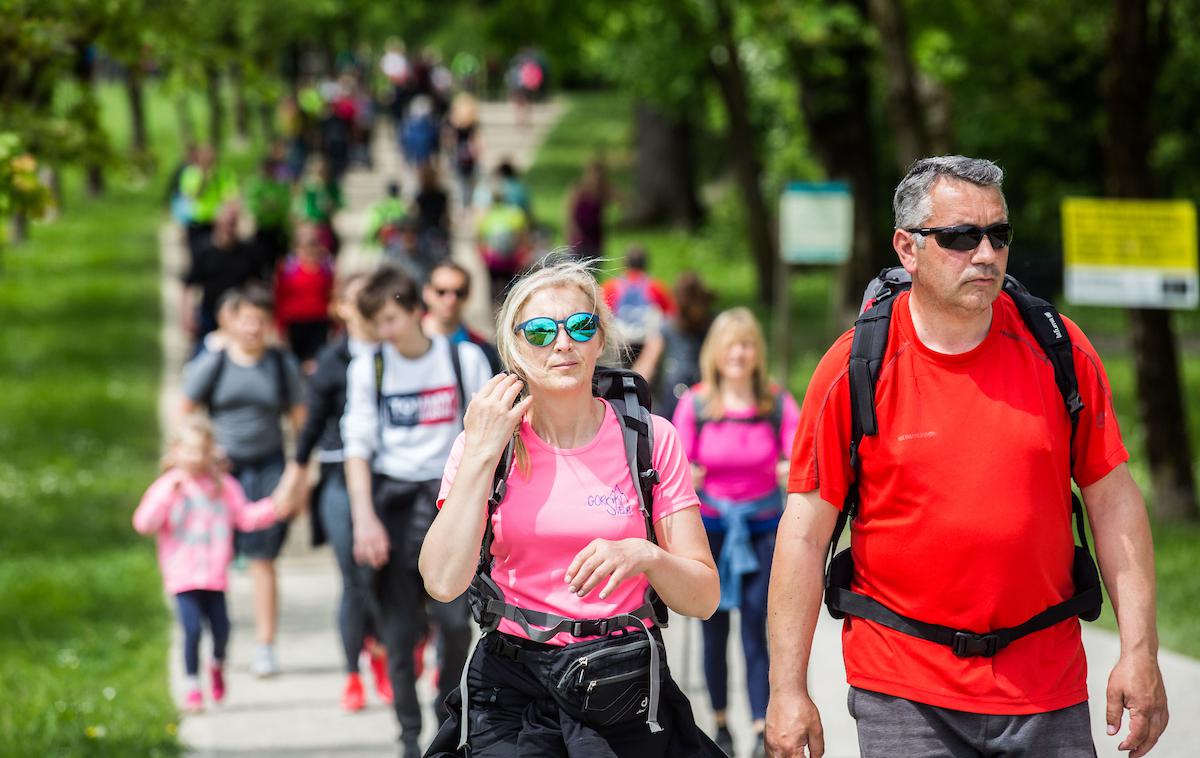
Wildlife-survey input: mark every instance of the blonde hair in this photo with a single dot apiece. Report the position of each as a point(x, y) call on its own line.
point(559, 269)
point(733, 325)
point(198, 424)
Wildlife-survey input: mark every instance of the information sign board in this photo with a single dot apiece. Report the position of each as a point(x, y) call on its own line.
point(1132, 253)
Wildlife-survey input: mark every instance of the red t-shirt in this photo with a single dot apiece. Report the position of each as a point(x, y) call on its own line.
point(303, 291)
point(965, 516)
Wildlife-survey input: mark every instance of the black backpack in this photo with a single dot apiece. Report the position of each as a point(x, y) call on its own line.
point(866, 361)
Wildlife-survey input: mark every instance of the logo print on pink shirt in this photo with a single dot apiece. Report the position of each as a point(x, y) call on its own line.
point(614, 503)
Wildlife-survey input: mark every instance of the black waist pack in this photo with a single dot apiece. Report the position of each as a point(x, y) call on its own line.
point(601, 682)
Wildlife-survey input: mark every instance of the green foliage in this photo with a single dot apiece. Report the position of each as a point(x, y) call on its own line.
point(21, 191)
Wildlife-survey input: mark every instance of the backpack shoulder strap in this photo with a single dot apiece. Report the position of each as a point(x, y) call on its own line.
point(698, 413)
point(214, 378)
point(1048, 328)
point(283, 389)
point(637, 432)
point(377, 359)
point(866, 360)
point(456, 366)
point(776, 418)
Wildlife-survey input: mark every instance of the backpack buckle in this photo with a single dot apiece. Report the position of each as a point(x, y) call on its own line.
point(971, 645)
point(650, 476)
point(591, 627)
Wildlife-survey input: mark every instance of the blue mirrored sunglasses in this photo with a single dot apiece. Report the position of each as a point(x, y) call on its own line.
point(541, 331)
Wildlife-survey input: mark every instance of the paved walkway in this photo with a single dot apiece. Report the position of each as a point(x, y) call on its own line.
point(297, 714)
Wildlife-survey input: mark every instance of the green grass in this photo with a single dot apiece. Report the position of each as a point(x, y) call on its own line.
point(84, 632)
point(597, 124)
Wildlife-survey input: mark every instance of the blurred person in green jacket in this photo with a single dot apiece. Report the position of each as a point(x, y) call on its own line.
point(384, 218)
point(320, 197)
point(206, 187)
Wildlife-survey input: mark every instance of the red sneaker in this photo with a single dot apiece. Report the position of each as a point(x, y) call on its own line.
point(353, 698)
point(218, 683)
point(379, 669)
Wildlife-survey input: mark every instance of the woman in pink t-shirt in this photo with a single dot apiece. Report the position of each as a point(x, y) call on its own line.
point(569, 539)
point(737, 431)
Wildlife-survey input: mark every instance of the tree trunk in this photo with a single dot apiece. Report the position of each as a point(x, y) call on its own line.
point(241, 108)
point(183, 116)
point(664, 177)
point(726, 68)
point(89, 114)
point(266, 120)
point(835, 82)
point(94, 180)
point(1136, 54)
point(902, 97)
point(18, 231)
point(137, 109)
point(216, 107)
point(53, 182)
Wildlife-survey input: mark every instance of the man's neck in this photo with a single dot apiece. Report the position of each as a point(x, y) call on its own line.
point(948, 330)
point(245, 356)
point(412, 346)
point(434, 325)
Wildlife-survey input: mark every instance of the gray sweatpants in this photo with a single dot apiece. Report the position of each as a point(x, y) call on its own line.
point(892, 726)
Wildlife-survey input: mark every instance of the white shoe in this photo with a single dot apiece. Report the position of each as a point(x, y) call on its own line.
point(263, 664)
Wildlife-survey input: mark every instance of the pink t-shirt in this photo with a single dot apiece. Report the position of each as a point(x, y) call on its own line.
point(570, 498)
point(739, 458)
point(194, 523)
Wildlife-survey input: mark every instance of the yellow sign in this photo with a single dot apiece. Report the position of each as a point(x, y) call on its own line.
point(1130, 252)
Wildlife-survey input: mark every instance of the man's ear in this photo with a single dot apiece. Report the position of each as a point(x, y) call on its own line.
point(905, 245)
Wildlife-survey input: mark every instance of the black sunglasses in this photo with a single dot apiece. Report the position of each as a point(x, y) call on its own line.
point(966, 237)
point(459, 293)
point(543, 330)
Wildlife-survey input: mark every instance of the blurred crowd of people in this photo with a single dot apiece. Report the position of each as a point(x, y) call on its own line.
point(281, 331)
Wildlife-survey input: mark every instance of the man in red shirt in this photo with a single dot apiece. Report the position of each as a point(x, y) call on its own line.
point(964, 516)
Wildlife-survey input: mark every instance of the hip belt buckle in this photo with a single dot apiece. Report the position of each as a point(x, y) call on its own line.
point(970, 645)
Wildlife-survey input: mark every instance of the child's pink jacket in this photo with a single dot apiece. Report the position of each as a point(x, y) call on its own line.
point(194, 523)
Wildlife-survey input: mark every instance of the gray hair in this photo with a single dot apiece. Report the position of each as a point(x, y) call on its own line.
point(912, 203)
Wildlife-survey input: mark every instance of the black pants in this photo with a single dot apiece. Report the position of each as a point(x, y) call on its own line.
point(512, 715)
point(405, 610)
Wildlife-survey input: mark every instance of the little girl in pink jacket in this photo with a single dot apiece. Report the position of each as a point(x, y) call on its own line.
point(193, 509)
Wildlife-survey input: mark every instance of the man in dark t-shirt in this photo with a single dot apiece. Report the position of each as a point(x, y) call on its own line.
point(223, 263)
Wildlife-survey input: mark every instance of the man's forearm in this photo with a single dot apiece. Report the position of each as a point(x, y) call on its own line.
point(1125, 552)
point(794, 599)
